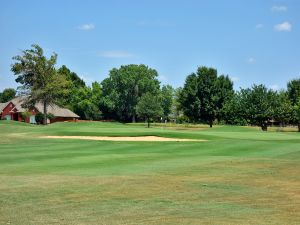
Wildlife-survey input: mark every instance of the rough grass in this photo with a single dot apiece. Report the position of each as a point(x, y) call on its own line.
point(240, 176)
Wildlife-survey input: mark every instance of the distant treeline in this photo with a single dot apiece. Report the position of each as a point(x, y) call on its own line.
point(133, 93)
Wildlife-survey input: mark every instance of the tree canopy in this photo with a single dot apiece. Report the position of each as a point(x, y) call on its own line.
point(204, 95)
point(123, 88)
point(7, 94)
point(38, 77)
point(149, 107)
point(133, 92)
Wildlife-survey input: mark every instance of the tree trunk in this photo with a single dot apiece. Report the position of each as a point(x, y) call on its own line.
point(210, 123)
point(264, 126)
point(148, 121)
point(299, 127)
point(133, 117)
point(45, 113)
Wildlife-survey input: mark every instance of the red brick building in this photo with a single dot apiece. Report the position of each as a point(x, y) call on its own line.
point(13, 110)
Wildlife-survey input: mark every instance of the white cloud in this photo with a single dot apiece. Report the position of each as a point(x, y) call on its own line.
point(274, 87)
point(89, 26)
point(234, 79)
point(251, 60)
point(259, 26)
point(279, 8)
point(285, 26)
point(116, 54)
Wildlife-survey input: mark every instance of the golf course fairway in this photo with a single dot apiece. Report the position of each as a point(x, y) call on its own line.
point(238, 175)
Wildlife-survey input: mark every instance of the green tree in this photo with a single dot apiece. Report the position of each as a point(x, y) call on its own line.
point(7, 94)
point(167, 94)
point(293, 90)
point(297, 113)
point(123, 88)
point(257, 105)
point(189, 99)
point(283, 108)
point(232, 111)
point(83, 100)
point(149, 107)
point(39, 78)
point(204, 95)
point(76, 81)
point(25, 115)
point(86, 101)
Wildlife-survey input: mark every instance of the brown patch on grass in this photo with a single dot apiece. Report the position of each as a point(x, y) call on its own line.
point(140, 138)
point(153, 199)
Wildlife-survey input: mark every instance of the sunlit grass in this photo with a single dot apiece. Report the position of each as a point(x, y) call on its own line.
point(241, 175)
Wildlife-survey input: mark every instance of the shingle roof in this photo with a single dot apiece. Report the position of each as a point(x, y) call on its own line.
point(56, 110)
point(2, 106)
point(53, 109)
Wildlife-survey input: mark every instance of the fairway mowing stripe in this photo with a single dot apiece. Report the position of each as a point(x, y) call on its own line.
point(139, 138)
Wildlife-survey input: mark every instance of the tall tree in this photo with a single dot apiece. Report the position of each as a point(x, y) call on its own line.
point(7, 94)
point(189, 99)
point(76, 81)
point(293, 90)
point(149, 107)
point(176, 110)
point(233, 112)
point(123, 88)
point(204, 94)
point(297, 114)
point(283, 108)
point(38, 77)
point(167, 94)
point(257, 105)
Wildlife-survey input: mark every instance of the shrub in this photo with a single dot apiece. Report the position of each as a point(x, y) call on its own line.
point(39, 117)
point(25, 115)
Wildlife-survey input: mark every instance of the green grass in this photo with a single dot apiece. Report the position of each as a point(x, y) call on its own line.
point(239, 176)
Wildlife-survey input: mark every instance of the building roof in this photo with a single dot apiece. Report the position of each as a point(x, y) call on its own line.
point(2, 106)
point(53, 109)
point(56, 110)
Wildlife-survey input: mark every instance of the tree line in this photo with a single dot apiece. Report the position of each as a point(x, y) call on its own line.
point(133, 93)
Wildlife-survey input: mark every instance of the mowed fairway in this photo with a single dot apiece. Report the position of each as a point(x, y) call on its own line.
point(238, 176)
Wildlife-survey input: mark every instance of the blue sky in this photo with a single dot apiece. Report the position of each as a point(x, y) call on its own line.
point(252, 41)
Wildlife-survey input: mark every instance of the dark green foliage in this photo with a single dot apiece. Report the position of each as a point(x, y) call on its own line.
point(204, 95)
point(86, 102)
point(7, 94)
point(39, 117)
point(257, 105)
point(77, 82)
point(297, 114)
point(123, 88)
point(50, 116)
point(293, 89)
point(189, 100)
point(149, 107)
point(25, 115)
point(232, 111)
point(38, 77)
point(167, 95)
point(283, 108)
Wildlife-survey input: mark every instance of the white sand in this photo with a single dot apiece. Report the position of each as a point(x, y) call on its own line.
point(106, 138)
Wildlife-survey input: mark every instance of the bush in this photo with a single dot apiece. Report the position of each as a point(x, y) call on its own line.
point(50, 116)
point(39, 118)
point(25, 115)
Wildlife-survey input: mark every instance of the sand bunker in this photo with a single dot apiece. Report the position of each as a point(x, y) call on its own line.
point(106, 138)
